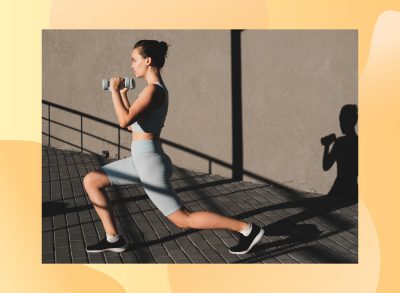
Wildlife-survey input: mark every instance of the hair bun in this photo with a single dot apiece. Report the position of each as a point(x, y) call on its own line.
point(164, 48)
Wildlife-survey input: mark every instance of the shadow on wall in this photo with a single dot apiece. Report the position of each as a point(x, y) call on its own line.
point(344, 152)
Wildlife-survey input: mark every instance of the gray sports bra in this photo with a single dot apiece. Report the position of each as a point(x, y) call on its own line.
point(153, 120)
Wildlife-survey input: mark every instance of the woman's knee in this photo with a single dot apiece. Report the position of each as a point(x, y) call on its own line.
point(181, 218)
point(96, 179)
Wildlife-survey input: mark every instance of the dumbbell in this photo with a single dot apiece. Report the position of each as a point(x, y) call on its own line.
point(127, 82)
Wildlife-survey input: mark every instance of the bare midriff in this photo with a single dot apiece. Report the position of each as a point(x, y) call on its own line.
point(144, 136)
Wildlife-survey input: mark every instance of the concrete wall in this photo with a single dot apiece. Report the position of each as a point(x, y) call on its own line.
point(294, 84)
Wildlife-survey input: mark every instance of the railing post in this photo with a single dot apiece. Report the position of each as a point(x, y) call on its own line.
point(209, 166)
point(48, 115)
point(81, 134)
point(119, 141)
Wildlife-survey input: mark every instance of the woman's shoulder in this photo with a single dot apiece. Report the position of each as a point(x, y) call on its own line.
point(158, 93)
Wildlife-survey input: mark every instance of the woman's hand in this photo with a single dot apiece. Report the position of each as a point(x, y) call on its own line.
point(116, 83)
point(124, 91)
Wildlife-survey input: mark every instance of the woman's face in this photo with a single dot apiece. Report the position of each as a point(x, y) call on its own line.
point(139, 64)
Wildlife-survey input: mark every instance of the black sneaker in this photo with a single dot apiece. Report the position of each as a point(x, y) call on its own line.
point(104, 245)
point(246, 243)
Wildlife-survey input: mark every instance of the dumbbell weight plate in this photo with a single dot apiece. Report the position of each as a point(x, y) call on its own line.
point(129, 83)
point(105, 84)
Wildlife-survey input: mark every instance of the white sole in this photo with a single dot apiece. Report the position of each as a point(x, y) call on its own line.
point(255, 241)
point(121, 249)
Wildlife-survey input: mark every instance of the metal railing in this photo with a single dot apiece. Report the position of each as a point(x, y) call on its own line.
point(211, 160)
point(81, 115)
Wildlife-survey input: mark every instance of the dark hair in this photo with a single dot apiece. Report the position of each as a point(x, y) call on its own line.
point(154, 49)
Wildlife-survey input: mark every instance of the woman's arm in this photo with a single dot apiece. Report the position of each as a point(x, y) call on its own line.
point(119, 107)
point(124, 97)
point(125, 100)
point(127, 116)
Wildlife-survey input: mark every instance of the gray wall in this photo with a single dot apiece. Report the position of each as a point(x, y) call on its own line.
point(294, 84)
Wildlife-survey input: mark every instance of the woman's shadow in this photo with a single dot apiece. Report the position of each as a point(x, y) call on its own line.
point(343, 193)
point(344, 152)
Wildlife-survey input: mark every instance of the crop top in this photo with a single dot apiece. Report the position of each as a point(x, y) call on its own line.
point(153, 120)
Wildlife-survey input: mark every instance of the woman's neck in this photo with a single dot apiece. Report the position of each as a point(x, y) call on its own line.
point(153, 75)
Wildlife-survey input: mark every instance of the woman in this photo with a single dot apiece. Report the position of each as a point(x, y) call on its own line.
point(149, 164)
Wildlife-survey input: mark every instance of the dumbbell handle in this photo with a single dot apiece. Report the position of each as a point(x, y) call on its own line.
point(127, 82)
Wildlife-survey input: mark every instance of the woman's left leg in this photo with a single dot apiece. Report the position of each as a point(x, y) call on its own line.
point(205, 220)
point(250, 234)
point(155, 170)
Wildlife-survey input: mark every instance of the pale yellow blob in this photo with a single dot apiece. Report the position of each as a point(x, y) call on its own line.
point(138, 277)
point(21, 229)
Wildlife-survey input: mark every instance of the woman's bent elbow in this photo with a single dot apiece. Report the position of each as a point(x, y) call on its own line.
point(122, 125)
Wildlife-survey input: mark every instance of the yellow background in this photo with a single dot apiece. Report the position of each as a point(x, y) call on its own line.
point(378, 23)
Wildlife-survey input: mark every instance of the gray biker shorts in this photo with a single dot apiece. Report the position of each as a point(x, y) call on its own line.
point(150, 166)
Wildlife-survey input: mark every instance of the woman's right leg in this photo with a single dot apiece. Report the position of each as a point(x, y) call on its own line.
point(121, 172)
point(94, 182)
